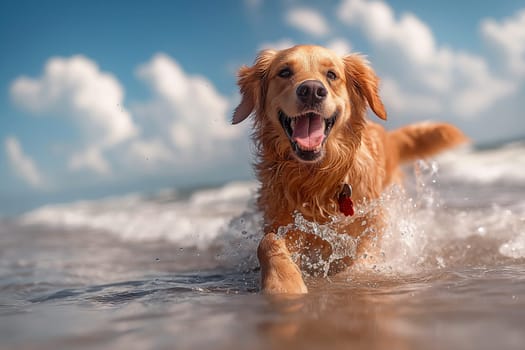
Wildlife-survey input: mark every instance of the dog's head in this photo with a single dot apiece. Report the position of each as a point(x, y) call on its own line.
point(304, 94)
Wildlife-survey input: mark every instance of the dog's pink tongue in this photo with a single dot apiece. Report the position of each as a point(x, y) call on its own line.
point(308, 131)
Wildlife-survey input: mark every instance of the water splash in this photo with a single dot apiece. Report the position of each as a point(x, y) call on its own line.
point(422, 232)
point(341, 245)
point(435, 223)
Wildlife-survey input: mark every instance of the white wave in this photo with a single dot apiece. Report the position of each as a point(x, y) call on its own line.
point(514, 248)
point(504, 164)
point(195, 221)
point(426, 229)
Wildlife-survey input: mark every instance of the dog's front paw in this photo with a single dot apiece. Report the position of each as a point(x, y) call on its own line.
point(279, 274)
point(272, 283)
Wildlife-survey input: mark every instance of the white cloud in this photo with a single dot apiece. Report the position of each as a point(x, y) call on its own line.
point(307, 20)
point(483, 89)
point(399, 101)
point(22, 164)
point(151, 151)
point(378, 21)
point(341, 46)
point(91, 159)
point(509, 37)
point(462, 82)
point(190, 113)
point(185, 125)
point(76, 88)
point(280, 44)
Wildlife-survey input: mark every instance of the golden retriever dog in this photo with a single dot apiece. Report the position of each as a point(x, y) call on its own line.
point(314, 144)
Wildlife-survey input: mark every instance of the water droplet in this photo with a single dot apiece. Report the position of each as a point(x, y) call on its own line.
point(157, 259)
point(244, 232)
point(482, 231)
point(181, 249)
point(440, 261)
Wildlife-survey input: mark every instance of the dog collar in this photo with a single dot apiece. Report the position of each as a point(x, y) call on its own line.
point(346, 205)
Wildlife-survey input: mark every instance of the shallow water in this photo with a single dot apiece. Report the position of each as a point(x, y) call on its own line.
point(179, 271)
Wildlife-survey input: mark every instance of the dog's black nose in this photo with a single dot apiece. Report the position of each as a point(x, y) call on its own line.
point(311, 91)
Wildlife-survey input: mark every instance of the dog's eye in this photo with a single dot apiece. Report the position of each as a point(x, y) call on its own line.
point(285, 73)
point(331, 75)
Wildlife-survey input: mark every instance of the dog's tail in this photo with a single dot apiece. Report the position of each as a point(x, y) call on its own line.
point(424, 140)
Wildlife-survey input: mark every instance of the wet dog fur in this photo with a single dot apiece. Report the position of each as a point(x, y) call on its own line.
point(312, 135)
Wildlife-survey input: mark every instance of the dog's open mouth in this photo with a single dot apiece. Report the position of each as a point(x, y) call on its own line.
point(307, 133)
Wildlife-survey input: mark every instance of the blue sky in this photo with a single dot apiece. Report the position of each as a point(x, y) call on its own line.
point(106, 97)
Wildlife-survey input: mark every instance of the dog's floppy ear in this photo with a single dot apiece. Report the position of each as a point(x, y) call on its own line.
point(251, 80)
point(362, 78)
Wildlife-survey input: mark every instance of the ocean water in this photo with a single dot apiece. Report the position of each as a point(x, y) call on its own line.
point(177, 270)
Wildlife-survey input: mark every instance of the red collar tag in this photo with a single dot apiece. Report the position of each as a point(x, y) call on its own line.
point(346, 206)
